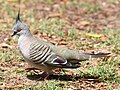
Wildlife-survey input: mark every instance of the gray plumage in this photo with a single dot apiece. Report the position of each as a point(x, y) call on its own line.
point(44, 55)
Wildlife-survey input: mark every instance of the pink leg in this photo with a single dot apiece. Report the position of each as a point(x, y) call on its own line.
point(44, 76)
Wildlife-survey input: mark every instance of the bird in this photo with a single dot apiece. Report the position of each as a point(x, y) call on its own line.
point(44, 55)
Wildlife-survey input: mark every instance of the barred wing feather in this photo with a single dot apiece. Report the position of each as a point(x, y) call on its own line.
point(42, 54)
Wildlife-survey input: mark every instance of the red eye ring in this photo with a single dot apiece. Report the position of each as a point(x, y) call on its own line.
point(18, 30)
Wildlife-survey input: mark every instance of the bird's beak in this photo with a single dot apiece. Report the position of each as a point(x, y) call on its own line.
point(14, 33)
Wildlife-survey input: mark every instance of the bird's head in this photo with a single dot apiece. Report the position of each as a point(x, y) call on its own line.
point(19, 28)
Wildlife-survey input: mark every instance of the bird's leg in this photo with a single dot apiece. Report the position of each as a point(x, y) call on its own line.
point(44, 76)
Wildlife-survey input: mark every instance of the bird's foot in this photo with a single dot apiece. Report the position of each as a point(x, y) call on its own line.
point(43, 76)
point(29, 69)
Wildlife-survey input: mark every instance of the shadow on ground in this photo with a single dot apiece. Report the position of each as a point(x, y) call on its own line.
point(37, 77)
point(64, 77)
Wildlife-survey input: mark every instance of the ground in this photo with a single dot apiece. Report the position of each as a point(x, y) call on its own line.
point(90, 26)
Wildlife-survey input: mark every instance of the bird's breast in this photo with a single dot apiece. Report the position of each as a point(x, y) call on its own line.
point(23, 45)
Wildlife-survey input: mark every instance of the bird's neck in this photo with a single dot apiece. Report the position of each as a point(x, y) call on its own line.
point(25, 37)
point(28, 34)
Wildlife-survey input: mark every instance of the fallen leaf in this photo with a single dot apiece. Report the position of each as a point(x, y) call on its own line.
point(12, 87)
point(12, 1)
point(4, 45)
point(62, 43)
point(54, 15)
point(34, 32)
point(94, 35)
point(84, 23)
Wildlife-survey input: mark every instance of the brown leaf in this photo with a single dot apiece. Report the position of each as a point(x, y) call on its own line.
point(54, 15)
point(34, 31)
point(12, 1)
point(84, 23)
point(62, 43)
point(4, 45)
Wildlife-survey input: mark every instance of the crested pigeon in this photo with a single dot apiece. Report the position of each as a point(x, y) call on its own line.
point(44, 55)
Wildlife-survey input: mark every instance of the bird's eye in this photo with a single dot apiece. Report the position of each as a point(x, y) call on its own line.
point(19, 29)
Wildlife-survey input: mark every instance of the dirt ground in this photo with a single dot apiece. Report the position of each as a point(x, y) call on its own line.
point(84, 15)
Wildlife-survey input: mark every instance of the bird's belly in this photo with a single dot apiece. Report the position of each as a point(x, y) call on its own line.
point(39, 66)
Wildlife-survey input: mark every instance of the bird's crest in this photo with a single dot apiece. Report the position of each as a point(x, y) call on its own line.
point(18, 16)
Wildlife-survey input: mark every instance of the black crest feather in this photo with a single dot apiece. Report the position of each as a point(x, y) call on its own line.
point(18, 16)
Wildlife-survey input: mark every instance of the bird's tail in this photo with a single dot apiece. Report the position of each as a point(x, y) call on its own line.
point(84, 56)
point(88, 56)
